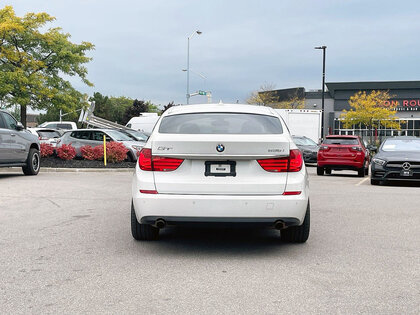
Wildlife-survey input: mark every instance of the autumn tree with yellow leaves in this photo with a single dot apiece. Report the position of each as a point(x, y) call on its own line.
point(370, 109)
point(34, 62)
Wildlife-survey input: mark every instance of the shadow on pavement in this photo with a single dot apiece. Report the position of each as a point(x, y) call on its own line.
point(7, 175)
point(232, 242)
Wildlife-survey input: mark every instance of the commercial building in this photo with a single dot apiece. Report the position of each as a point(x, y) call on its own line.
point(405, 94)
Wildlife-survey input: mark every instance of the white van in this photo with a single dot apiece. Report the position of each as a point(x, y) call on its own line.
point(144, 123)
point(69, 125)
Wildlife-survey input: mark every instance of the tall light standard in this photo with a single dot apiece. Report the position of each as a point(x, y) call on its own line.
point(324, 48)
point(188, 64)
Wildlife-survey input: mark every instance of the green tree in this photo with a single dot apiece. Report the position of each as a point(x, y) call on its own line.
point(166, 107)
point(34, 62)
point(371, 109)
point(111, 108)
point(135, 110)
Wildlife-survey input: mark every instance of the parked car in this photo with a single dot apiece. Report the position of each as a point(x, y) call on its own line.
point(93, 137)
point(135, 135)
point(17, 146)
point(220, 164)
point(45, 135)
point(398, 159)
point(308, 147)
point(66, 125)
point(343, 153)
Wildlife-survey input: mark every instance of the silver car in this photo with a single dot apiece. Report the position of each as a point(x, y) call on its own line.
point(45, 135)
point(94, 137)
point(18, 147)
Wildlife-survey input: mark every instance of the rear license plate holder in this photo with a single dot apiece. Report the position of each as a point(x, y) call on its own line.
point(407, 173)
point(220, 168)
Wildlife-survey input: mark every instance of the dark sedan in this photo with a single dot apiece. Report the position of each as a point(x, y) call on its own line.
point(308, 147)
point(398, 158)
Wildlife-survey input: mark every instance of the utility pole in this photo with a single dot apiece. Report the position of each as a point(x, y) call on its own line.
point(324, 48)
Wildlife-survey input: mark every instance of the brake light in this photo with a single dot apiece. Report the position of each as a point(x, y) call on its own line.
point(148, 162)
point(292, 163)
point(145, 159)
point(274, 165)
point(295, 160)
point(165, 164)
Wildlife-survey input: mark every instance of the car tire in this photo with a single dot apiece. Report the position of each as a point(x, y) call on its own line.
point(298, 234)
point(319, 171)
point(142, 232)
point(374, 182)
point(130, 157)
point(328, 171)
point(361, 172)
point(33, 163)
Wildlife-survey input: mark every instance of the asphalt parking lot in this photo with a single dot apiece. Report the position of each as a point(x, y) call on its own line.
point(66, 247)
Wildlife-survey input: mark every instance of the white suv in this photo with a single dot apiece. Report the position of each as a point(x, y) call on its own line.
point(224, 163)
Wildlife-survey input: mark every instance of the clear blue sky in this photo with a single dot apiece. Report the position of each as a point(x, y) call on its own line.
point(141, 46)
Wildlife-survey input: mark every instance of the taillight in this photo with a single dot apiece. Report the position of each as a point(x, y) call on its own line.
point(274, 165)
point(148, 162)
point(292, 163)
point(145, 159)
point(295, 161)
point(165, 164)
point(357, 148)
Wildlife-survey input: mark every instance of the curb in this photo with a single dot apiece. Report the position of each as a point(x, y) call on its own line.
point(71, 170)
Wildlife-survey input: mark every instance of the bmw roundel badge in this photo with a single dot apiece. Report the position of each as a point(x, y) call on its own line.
point(220, 148)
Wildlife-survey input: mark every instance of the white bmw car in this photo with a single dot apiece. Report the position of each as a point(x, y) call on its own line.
point(221, 163)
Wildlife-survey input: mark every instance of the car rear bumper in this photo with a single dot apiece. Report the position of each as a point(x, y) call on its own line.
point(340, 164)
point(261, 209)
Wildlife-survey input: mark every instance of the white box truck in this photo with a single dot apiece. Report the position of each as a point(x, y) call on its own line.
point(303, 122)
point(144, 123)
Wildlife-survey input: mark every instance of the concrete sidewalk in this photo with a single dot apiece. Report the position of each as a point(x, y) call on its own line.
point(68, 170)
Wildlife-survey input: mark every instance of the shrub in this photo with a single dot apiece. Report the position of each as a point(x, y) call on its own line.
point(66, 152)
point(116, 152)
point(46, 149)
point(87, 152)
point(98, 152)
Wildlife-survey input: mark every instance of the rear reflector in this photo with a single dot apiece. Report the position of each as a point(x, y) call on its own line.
point(291, 193)
point(148, 191)
point(148, 162)
point(292, 163)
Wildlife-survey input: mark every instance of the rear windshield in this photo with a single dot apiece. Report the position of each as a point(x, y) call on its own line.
point(343, 141)
point(49, 134)
point(221, 123)
point(402, 145)
point(304, 141)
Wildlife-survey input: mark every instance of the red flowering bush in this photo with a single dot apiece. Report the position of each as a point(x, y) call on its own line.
point(98, 152)
point(66, 152)
point(116, 152)
point(46, 149)
point(87, 152)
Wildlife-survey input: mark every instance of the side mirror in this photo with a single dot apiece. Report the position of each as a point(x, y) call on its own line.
point(19, 126)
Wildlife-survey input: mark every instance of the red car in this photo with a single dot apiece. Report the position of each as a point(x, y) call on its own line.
point(343, 153)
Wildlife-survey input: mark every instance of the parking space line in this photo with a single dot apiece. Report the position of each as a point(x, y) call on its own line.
point(362, 181)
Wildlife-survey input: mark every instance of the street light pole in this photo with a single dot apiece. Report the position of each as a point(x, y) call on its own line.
point(324, 48)
point(188, 64)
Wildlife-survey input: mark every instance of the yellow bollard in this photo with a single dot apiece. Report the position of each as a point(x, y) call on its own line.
point(104, 150)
